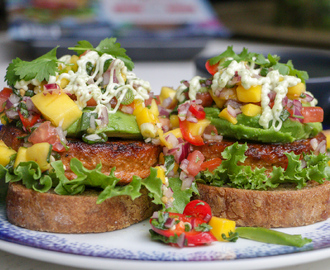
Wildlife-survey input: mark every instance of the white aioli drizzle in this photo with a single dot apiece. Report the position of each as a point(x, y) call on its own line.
point(250, 77)
point(194, 87)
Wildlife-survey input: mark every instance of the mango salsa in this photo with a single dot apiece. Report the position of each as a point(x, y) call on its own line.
point(251, 109)
point(253, 94)
point(5, 153)
point(224, 114)
point(221, 226)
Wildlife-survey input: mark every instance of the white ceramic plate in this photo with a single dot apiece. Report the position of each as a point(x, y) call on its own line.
point(132, 247)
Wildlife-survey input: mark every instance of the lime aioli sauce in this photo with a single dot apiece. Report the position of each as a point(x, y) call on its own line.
point(273, 81)
point(194, 88)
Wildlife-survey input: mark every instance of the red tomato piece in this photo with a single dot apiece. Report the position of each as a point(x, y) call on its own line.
point(197, 110)
point(4, 95)
point(192, 237)
point(312, 114)
point(186, 134)
point(211, 164)
point(206, 99)
point(196, 159)
point(147, 102)
point(199, 209)
point(47, 133)
point(212, 69)
point(29, 121)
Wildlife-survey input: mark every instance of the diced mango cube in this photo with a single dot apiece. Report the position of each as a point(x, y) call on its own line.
point(197, 129)
point(251, 109)
point(176, 132)
point(161, 173)
point(154, 108)
point(327, 135)
point(295, 91)
point(253, 94)
point(5, 153)
point(218, 101)
point(167, 92)
point(58, 108)
point(40, 153)
point(221, 226)
point(21, 156)
point(138, 106)
point(174, 119)
point(145, 116)
point(224, 114)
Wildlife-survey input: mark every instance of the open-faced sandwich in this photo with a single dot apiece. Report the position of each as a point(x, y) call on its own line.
point(251, 137)
point(72, 146)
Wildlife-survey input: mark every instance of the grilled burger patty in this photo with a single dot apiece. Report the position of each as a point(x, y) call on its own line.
point(264, 155)
point(129, 157)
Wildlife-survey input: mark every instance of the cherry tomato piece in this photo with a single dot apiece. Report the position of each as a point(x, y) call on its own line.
point(212, 69)
point(29, 121)
point(312, 114)
point(4, 95)
point(199, 209)
point(196, 159)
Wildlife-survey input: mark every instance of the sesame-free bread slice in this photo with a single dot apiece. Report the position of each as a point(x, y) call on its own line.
point(51, 212)
point(282, 207)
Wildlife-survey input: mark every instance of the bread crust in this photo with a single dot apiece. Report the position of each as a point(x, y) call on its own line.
point(281, 207)
point(50, 212)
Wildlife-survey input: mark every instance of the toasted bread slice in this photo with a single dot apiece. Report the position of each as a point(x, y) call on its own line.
point(281, 207)
point(50, 212)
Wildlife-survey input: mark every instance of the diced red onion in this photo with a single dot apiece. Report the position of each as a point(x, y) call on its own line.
point(314, 143)
point(163, 111)
point(208, 82)
point(155, 214)
point(104, 117)
point(167, 102)
point(186, 180)
point(186, 83)
point(127, 109)
point(51, 87)
point(233, 103)
point(12, 114)
point(183, 110)
point(212, 138)
point(308, 97)
point(171, 139)
point(321, 148)
point(12, 100)
point(61, 133)
point(231, 111)
point(181, 240)
point(225, 93)
point(168, 193)
point(184, 165)
point(169, 223)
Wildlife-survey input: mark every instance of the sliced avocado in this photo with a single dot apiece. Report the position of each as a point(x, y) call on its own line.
point(248, 128)
point(120, 125)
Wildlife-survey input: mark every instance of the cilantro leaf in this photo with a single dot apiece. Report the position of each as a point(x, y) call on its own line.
point(40, 68)
point(271, 62)
point(108, 46)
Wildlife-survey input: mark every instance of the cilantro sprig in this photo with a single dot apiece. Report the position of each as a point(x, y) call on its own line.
point(266, 64)
point(108, 46)
point(40, 68)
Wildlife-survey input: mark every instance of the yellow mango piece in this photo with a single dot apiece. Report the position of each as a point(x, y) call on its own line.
point(176, 132)
point(73, 61)
point(144, 116)
point(138, 106)
point(21, 156)
point(224, 114)
point(39, 153)
point(253, 94)
point(161, 173)
point(5, 153)
point(198, 128)
point(154, 108)
point(251, 109)
point(327, 135)
point(174, 119)
point(295, 91)
point(167, 92)
point(221, 226)
point(58, 108)
point(218, 101)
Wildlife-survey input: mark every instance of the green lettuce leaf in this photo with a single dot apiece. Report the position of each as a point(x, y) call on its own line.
point(232, 174)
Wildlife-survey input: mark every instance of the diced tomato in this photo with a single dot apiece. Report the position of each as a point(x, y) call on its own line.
point(212, 69)
point(47, 133)
point(91, 102)
point(312, 114)
point(197, 111)
point(199, 209)
point(211, 164)
point(29, 121)
point(147, 102)
point(192, 237)
point(206, 99)
point(195, 159)
point(4, 95)
point(195, 140)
